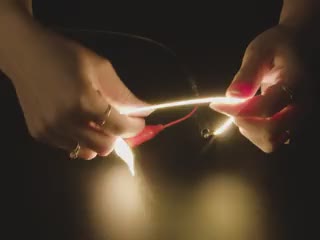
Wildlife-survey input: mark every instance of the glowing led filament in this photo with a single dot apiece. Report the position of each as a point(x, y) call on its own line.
point(197, 101)
point(123, 150)
point(225, 126)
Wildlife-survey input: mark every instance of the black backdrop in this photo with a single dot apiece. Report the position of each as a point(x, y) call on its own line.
point(44, 189)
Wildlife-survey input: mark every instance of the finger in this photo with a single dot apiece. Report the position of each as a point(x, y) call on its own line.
point(288, 118)
point(67, 144)
point(117, 124)
point(87, 154)
point(139, 114)
point(93, 110)
point(268, 133)
point(119, 96)
point(84, 153)
point(292, 69)
point(229, 109)
point(271, 101)
point(92, 107)
point(98, 142)
point(247, 81)
point(266, 147)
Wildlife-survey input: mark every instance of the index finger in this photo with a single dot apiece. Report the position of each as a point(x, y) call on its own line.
point(117, 124)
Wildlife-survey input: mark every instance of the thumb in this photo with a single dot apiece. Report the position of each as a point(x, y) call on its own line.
point(117, 93)
point(248, 79)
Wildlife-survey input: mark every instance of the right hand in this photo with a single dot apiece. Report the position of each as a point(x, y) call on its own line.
point(64, 90)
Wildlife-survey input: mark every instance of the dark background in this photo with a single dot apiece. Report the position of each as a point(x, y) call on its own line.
point(45, 190)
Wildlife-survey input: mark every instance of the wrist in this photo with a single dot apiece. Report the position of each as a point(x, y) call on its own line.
point(300, 16)
point(307, 25)
point(18, 31)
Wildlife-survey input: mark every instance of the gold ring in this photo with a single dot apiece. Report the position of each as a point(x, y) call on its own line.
point(75, 152)
point(106, 115)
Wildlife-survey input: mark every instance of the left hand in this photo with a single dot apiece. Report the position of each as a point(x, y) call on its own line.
point(272, 64)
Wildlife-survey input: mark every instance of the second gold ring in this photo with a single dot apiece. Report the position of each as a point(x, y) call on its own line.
point(106, 115)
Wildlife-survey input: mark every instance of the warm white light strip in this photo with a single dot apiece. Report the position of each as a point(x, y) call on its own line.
point(225, 126)
point(197, 101)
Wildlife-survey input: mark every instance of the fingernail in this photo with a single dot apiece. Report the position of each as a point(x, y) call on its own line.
point(234, 93)
point(240, 90)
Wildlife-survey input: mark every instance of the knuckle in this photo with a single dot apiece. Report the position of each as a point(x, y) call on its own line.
point(107, 64)
point(45, 129)
point(83, 101)
point(252, 48)
point(125, 96)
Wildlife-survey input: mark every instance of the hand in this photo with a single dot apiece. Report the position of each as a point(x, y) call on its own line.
point(271, 64)
point(64, 90)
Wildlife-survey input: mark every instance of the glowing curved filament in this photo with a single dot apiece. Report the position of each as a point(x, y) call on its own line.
point(196, 101)
point(123, 150)
point(225, 126)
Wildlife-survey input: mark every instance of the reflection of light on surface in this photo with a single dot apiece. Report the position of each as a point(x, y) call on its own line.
point(225, 126)
point(123, 150)
point(221, 100)
point(119, 207)
point(228, 207)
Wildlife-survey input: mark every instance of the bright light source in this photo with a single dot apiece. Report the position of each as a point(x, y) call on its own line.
point(225, 126)
point(123, 150)
point(197, 101)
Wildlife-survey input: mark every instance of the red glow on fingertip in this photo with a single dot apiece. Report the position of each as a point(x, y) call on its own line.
point(240, 90)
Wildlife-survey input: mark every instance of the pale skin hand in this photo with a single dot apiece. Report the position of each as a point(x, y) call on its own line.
point(64, 88)
point(270, 63)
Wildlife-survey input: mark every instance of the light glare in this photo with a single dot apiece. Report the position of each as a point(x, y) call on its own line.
point(225, 126)
point(123, 150)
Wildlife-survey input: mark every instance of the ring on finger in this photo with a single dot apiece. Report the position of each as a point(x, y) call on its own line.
point(75, 152)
